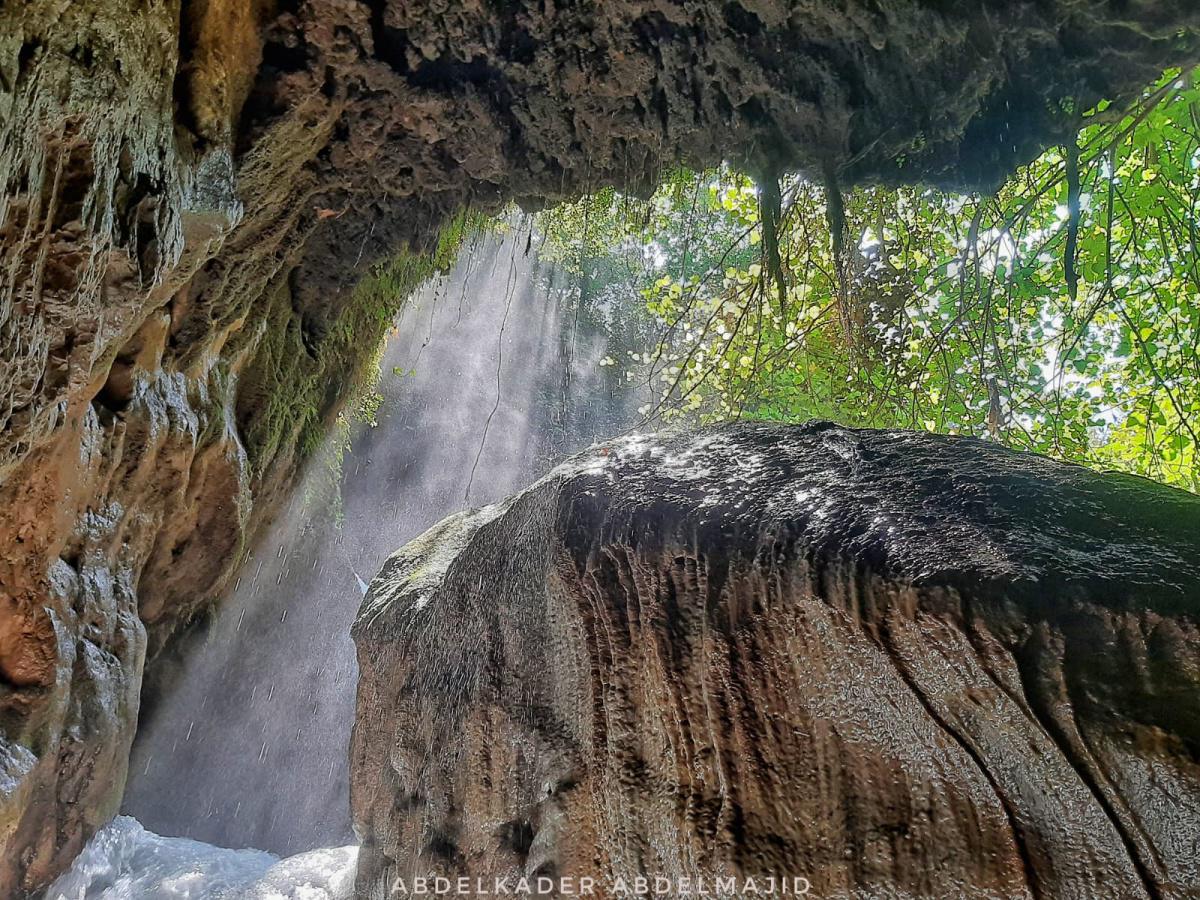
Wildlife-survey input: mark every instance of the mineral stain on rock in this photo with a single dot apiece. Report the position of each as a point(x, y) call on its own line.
point(894, 664)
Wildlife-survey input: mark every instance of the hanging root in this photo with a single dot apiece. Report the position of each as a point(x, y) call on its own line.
point(1070, 254)
point(835, 217)
point(771, 211)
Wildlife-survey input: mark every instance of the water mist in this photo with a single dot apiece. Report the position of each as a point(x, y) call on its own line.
point(491, 374)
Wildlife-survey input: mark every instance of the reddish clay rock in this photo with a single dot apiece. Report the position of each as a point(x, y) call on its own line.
point(894, 664)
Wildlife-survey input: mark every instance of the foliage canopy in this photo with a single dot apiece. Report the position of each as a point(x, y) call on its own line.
point(1059, 314)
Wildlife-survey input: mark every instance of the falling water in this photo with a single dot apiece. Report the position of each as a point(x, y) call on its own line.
point(490, 376)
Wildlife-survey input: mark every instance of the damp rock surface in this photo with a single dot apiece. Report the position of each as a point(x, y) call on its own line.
point(891, 663)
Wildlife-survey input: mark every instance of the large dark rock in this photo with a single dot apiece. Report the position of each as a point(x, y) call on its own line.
point(896, 664)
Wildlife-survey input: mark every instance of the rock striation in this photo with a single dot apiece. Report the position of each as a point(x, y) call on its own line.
point(895, 664)
point(196, 195)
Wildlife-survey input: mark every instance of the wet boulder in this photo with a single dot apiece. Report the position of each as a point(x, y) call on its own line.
point(892, 664)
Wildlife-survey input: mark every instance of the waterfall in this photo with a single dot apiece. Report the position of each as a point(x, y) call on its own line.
point(491, 374)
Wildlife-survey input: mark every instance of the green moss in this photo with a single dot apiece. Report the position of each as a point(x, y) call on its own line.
point(293, 394)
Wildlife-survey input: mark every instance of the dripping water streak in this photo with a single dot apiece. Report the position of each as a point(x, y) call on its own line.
point(270, 685)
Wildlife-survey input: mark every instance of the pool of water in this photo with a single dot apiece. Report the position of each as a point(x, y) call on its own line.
point(124, 861)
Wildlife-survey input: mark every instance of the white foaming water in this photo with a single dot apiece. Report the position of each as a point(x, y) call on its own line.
point(124, 861)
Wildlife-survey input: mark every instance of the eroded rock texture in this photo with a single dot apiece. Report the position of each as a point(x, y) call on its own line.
point(896, 664)
point(191, 189)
